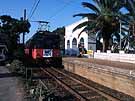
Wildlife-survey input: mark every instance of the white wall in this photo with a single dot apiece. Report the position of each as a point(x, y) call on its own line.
point(121, 57)
point(70, 35)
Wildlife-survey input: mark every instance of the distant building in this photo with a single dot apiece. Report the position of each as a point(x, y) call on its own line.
point(72, 40)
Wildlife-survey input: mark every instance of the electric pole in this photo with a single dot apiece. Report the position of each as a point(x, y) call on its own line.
point(24, 18)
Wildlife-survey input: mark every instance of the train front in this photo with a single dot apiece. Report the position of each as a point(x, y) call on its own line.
point(46, 50)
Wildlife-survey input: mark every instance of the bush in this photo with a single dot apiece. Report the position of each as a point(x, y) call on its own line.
point(17, 66)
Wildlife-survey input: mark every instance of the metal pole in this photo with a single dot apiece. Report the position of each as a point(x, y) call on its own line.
point(24, 18)
point(120, 34)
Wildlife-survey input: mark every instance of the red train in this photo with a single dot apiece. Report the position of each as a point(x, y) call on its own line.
point(44, 49)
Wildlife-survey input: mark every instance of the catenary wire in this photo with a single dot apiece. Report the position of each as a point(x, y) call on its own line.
point(34, 9)
point(60, 10)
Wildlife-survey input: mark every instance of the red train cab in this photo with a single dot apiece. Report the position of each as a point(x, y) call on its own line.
point(44, 48)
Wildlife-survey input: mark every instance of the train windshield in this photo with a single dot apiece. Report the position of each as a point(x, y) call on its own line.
point(51, 42)
point(45, 40)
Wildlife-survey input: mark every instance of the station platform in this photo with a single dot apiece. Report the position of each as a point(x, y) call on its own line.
point(114, 64)
point(119, 76)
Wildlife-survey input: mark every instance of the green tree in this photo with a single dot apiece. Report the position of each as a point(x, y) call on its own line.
point(104, 19)
point(10, 29)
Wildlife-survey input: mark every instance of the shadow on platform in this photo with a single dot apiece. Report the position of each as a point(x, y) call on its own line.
point(5, 75)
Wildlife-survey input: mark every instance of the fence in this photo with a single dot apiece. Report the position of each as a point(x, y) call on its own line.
point(122, 57)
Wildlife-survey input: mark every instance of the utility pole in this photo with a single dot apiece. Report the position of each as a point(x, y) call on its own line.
point(24, 18)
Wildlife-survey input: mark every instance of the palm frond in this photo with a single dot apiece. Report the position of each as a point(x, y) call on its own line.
point(98, 3)
point(117, 5)
point(88, 15)
point(86, 29)
point(123, 33)
point(103, 3)
point(90, 28)
point(124, 29)
point(117, 35)
point(106, 3)
point(83, 30)
point(127, 18)
point(91, 6)
point(81, 25)
point(130, 6)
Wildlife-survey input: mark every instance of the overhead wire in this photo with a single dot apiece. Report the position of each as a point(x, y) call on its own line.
point(60, 10)
point(52, 16)
point(34, 8)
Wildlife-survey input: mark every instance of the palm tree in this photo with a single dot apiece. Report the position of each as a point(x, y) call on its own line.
point(103, 19)
point(130, 6)
point(130, 17)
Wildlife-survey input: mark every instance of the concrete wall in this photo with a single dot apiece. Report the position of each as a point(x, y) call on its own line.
point(110, 77)
point(122, 57)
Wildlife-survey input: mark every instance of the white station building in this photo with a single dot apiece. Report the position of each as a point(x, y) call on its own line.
point(72, 39)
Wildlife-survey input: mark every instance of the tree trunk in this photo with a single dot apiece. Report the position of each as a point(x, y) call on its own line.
point(105, 45)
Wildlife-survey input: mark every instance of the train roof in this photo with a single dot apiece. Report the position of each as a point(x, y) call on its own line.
point(40, 37)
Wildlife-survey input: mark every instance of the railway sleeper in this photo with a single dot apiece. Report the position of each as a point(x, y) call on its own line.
point(68, 81)
point(86, 91)
point(80, 81)
point(97, 98)
point(91, 94)
point(73, 84)
point(77, 85)
point(81, 88)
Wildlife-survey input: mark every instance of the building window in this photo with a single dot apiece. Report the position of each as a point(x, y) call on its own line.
point(82, 41)
point(74, 43)
point(68, 44)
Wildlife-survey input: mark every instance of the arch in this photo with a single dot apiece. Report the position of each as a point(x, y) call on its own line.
point(68, 44)
point(74, 43)
point(82, 41)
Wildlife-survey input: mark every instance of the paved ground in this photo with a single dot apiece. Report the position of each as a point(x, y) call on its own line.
point(10, 87)
point(121, 65)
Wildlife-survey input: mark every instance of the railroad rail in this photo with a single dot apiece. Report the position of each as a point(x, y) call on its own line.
point(81, 90)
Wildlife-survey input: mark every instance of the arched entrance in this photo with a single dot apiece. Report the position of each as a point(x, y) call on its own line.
point(82, 41)
point(68, 44)
point(74, 43)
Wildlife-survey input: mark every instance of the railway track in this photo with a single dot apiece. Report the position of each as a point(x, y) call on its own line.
point(79, 89)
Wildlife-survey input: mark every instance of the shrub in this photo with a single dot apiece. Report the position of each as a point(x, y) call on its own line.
point(17, 66)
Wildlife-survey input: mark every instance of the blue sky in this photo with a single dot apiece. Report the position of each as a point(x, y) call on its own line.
point(58, 12)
